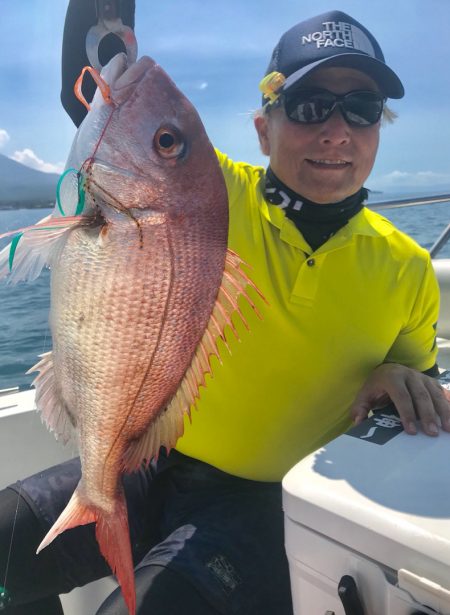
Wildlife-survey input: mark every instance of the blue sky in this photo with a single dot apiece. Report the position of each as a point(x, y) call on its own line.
point(217, 52)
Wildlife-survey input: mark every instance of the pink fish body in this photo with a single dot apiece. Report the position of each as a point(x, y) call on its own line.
point(142, 285)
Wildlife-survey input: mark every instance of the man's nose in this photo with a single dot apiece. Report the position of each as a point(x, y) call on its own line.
point(335, 130)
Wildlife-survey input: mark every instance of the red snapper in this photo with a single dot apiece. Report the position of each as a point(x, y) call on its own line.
point(142, 285)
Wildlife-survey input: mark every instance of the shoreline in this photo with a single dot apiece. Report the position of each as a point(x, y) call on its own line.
point(16, 205)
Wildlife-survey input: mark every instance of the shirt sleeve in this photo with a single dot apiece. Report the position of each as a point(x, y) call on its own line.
point(237, 178)
point(416, 345)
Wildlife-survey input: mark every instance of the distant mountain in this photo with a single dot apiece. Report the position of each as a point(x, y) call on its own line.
point(21, 186)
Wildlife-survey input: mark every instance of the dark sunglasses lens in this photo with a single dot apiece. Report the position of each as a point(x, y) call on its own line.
point(308, 108)
point(359, 108)
point(363, 108)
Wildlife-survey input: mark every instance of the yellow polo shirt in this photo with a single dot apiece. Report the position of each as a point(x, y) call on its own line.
point(368, 295)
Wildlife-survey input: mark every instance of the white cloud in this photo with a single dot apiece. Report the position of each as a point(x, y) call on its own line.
point(29, 159)
point(197, 85)
point(406, 179)
point(189, 86)
point(4, 137)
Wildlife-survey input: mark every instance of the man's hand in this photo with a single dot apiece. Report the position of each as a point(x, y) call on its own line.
point(415, 395)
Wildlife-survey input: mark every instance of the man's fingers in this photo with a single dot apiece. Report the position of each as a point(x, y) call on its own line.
point(359, 410)
point(402, 400)
point(441, 403)
point(416, 396)
point(430, 403)
point(424, 406)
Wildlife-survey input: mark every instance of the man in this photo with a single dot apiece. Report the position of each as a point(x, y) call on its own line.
point(353, 307)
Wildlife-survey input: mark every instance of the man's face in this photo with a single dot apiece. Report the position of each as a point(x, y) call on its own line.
point(326, 162)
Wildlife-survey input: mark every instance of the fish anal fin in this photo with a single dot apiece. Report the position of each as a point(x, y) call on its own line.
point(163, 431)
point(53, 409)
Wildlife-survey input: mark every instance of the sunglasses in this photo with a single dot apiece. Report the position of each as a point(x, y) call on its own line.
point(359, 108)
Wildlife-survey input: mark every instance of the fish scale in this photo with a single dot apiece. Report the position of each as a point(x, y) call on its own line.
point(136, 317)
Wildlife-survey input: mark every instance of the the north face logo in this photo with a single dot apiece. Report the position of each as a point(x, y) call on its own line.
point(340, 34)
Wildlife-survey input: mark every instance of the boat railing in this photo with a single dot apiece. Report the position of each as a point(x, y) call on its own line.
point(441, 265)
point(442, 240)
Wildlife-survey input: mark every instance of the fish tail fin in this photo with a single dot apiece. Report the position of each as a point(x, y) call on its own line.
point(112, 534)
point(113, 537)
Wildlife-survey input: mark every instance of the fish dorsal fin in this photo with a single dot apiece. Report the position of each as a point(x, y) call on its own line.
point(169, 425)
point(52, 407)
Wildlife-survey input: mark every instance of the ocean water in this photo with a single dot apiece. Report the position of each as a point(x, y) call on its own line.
point(24, 329)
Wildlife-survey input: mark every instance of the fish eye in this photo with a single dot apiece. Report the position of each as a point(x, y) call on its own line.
point(168, 142)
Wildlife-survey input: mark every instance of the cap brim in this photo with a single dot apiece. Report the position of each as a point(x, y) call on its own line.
point(388, 82)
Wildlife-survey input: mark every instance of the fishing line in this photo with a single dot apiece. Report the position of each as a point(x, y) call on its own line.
point(103, 132)
point(11, 541)
point(88, 164)
point(120, 208)
point(91, 158)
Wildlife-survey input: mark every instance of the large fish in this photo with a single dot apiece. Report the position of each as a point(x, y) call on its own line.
point(142, 285)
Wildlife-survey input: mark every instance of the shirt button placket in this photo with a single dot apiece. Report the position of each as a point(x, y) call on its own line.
point(307, 281)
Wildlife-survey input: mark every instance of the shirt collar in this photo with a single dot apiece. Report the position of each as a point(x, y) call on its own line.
point(365, 222)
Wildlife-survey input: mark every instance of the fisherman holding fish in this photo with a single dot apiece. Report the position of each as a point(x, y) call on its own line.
point(346, 323)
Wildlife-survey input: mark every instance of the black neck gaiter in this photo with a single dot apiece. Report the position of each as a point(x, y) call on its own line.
point(316, 222)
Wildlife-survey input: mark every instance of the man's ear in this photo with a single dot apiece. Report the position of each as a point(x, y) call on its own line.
point(261, 123)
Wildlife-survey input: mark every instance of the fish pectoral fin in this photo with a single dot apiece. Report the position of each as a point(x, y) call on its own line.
point(169, 425)
point(53, 409)
point(35, 247)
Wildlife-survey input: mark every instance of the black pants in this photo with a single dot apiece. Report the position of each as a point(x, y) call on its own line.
point(204, 543)
point(158, 589)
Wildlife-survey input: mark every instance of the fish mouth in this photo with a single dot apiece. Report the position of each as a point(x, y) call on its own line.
point(133, 73)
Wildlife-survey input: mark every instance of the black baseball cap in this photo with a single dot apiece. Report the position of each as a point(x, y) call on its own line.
point(331, 39)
